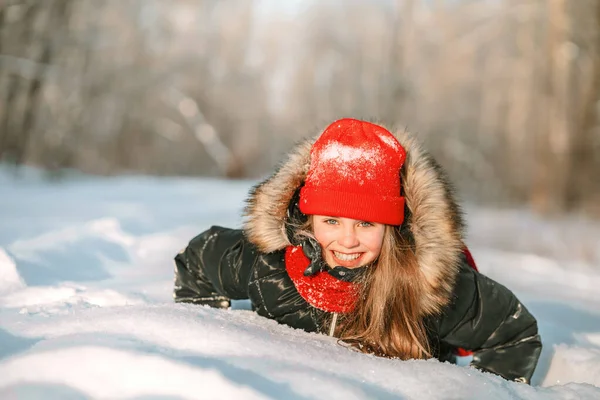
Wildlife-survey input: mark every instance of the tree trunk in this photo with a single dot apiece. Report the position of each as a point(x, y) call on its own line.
point(585, 185)
point(553, 161)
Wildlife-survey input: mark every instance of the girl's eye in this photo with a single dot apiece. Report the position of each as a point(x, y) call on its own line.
point(365, 224)
point(330, 221)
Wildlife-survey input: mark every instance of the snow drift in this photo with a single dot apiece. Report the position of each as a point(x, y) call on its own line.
point(86, 308)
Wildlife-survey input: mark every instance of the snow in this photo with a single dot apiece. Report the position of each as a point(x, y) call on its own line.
point(86, 311)
point(389, 140)
point(337, 152)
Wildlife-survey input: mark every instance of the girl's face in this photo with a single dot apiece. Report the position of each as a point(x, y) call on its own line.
point(348, 242)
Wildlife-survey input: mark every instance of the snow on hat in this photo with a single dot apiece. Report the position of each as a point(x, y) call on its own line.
point(355, 173)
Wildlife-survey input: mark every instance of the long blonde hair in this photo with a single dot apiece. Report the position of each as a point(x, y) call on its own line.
point(387, 320)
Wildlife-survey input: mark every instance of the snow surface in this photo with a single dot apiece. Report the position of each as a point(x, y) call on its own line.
point(86, 311)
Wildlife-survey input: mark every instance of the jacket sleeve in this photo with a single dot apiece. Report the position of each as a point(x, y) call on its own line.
point(487, 318)
point(214, 268)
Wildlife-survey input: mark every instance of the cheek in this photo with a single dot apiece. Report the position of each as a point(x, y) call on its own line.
point(323, 235)
point(374, 242)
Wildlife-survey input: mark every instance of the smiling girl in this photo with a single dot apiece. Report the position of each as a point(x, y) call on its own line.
point(357, 235)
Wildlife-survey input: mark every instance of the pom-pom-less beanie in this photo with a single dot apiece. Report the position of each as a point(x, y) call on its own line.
point(355, 173)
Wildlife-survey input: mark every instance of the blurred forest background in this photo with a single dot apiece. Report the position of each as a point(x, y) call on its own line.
point(505, 93)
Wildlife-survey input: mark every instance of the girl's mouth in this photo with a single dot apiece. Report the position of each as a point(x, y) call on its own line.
point(347, 260)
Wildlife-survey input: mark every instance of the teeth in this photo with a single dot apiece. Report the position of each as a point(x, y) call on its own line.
point(346, 257)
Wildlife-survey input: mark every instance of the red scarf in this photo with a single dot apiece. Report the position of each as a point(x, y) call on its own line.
point(321, 290)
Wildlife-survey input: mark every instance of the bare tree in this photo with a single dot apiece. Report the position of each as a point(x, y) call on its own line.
point(503, 93)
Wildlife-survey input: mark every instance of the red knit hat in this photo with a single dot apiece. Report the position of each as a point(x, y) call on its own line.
point(355, 173)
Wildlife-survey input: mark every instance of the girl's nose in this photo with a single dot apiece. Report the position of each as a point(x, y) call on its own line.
point(349, 238)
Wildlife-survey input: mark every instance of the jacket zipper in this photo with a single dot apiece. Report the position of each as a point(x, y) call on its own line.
point(333, 323)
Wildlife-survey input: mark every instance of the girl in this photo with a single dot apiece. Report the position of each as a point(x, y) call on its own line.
point(358, 235)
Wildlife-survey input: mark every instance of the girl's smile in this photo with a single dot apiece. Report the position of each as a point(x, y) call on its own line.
point(348, 242)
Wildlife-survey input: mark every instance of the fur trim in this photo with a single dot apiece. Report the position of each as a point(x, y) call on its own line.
point(267, 204)
point(435, 218)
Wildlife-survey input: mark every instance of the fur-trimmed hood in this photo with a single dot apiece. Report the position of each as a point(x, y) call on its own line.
point(435, 219)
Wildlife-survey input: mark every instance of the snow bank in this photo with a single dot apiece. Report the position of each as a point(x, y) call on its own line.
point(187, 351)
point(574, 364)
point(86, 308)
point(10, 280)
point(98, 371)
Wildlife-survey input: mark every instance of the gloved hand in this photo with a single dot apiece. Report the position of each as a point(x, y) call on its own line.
point(310, 247)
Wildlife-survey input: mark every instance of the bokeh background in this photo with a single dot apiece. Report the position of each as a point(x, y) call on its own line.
point(504, 93)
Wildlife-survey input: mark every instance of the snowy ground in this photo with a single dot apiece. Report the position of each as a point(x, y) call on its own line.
point(86, 309)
